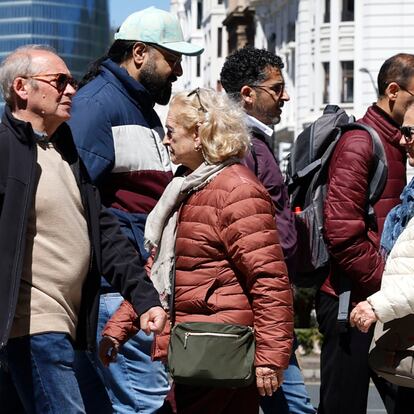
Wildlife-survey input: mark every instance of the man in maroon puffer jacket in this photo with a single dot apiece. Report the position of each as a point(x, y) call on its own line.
point(353, 245)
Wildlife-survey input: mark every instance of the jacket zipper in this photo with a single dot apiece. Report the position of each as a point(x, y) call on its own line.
point(215, 334)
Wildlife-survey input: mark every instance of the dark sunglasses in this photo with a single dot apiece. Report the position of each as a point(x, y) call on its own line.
point(61, 80)
point(408, 132)
point(172, 58)
point(196, 92)
point(277, 88)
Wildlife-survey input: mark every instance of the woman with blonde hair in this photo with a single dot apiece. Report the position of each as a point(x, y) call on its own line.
point(214, 225)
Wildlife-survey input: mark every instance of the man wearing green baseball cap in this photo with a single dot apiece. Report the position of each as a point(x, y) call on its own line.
point(119, 138)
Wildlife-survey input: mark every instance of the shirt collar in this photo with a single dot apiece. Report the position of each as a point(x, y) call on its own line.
point(41, 138)
point(259, 126)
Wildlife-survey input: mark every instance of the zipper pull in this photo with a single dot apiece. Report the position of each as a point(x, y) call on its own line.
point(186, 335)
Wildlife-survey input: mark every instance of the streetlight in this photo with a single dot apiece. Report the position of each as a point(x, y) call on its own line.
point(374, 85)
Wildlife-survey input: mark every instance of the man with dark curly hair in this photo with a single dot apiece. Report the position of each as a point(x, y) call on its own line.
point(254, 78)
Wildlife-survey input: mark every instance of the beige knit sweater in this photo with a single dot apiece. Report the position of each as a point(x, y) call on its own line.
point(57, 252)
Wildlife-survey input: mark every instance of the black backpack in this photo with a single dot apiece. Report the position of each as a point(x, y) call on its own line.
point(307, 174)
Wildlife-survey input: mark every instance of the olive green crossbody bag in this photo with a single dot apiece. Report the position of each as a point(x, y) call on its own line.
point(211, 354)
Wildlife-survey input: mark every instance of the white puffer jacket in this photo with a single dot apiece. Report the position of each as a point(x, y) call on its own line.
point(395, 299)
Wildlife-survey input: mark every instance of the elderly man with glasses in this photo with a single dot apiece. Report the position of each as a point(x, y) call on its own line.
point(119, 138)
point(55, 242)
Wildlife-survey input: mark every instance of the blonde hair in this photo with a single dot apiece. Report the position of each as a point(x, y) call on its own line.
point(221, 123)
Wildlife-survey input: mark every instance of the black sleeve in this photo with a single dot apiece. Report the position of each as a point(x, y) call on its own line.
point(123, 267)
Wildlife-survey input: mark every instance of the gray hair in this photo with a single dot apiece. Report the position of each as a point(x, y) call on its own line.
point(18, 63)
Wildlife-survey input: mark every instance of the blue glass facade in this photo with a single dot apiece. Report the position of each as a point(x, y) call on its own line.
point(77, 29)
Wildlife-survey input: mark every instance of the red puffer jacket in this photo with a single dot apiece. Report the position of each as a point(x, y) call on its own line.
point(230, 267)
point(353, 247)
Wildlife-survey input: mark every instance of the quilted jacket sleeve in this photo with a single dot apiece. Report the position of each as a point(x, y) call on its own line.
point(354, 249)
point(396, 297)
point(124, 323)
point(250, 238)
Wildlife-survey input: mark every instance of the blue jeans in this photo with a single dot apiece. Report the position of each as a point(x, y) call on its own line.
point(292, 397)
point(134, 383)
point(37, 376)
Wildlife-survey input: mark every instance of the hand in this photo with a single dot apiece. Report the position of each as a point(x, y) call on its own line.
point(363, 316)
point(153, 320)
point(149, 263)
point(108, 350)
point(268, 380)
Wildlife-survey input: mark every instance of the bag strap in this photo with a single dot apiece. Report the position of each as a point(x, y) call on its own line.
point(172, 296)
point(375, 189)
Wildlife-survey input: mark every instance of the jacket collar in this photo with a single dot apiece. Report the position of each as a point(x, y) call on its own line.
point(387, 127)
point(130, 87)
point(23, 131)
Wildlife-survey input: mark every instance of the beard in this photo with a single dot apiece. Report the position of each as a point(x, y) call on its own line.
point(158, 87)
point(269, 116)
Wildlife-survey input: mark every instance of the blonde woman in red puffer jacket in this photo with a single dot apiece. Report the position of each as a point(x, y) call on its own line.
point(228, 262)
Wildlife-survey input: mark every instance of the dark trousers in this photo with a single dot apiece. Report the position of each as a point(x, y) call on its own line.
point(187, 399)
point(345, 372)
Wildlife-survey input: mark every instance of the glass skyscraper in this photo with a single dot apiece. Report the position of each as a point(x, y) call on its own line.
point(77, 29)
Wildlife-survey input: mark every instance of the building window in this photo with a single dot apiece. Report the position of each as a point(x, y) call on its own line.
point(219, 1)
point(291, 32)
point(347, 10)
point(347, 92)
point(199, 13)
point(219, 42)
point(271, 43)
point(327, 14)
point(198, 67)
point(325, 97)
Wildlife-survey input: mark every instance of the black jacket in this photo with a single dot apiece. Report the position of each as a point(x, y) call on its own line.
point(112, 255)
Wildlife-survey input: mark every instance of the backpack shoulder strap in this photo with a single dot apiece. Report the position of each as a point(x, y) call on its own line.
point(375, 189)
point(379, 176)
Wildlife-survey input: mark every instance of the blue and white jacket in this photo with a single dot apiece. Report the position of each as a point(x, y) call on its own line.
point(119, 138)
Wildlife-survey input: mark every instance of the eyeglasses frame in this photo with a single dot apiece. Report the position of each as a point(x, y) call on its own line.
point(196, 92)
point(406, 90)
point(177, 57)
point(282, 86)
point(70, 80)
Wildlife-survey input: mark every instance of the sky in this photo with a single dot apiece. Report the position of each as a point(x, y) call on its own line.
point(120, 9)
